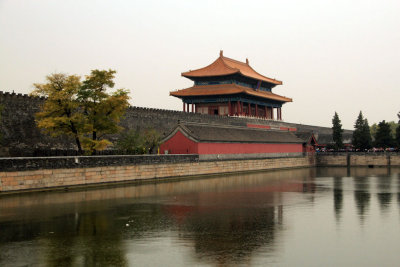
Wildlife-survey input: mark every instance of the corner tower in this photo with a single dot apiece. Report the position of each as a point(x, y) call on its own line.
point(228, 87)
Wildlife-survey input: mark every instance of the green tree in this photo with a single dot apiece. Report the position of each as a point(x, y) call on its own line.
point(61, 114)
point(151, 139)
point(373, 129)
point(361, 135)
point(367, 134)
point(337, 132)
point(393, 126)
point(102, 110)
point(383, 136)
point(130, 142)
point(139, 142)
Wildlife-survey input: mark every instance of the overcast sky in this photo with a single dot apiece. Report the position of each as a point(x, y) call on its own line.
point(339, 55)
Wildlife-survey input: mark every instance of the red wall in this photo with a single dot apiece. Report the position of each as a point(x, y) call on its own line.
point(241, 148)
point(258, 126)
point(179, 144)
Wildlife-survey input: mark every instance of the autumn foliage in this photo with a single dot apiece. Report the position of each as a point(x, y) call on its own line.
point(83, 110)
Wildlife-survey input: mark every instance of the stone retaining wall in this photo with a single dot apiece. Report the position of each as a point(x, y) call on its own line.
point(20, 174)
point(40, 179)
point(358, 159)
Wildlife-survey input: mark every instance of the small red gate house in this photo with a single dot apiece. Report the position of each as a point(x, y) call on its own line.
point(309, 141)
point(197, 138)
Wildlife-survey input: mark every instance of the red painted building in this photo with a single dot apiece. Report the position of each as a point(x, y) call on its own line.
point(192, 138)
point(309, 142)
point(229, 87)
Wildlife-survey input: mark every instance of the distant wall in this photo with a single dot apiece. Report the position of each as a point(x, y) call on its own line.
point(358, 159)
point(21, 137)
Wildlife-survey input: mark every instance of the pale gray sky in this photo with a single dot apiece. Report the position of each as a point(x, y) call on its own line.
point(339, 55)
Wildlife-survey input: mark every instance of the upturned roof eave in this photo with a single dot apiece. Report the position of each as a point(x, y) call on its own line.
point(266, 79)
point(228, 70)
point(237, 91)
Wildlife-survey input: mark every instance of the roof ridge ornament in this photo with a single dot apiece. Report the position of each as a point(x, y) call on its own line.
point(221, 53)
point(247, 61)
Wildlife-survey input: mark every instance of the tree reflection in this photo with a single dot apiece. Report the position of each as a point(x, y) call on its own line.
point(338, 196)
point(384, 191)
point(362, 196)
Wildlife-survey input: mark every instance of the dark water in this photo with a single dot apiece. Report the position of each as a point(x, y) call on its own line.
point(304, 217)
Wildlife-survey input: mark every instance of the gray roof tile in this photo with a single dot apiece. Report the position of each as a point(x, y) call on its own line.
point(235, 134)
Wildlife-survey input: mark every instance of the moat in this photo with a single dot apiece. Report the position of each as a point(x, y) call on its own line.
point(299, 217)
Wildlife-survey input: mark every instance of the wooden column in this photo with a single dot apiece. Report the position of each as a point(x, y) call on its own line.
point(187, 107)
point(192, 107)
point(272, 113)
point(249, 109)
point(229, 108)
point(241, 108)
point(256, 110)
point(184, 107)
point(237, 107)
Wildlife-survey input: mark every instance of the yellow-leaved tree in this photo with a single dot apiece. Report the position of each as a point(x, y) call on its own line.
point(102, 110)
point(60, 114)
point(84, 110)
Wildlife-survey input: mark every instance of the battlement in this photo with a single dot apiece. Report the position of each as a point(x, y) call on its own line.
point(19, 131)
point(20, 96)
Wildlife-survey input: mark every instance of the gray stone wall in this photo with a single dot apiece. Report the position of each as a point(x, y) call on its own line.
point(21, 137)
point(50, 163)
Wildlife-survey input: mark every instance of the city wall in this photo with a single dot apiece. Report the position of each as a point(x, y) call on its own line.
point(21, 138)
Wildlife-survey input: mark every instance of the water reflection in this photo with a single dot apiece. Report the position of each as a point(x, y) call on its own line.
point(338, 196)
point(231, 220)
point(384, 195)
point(362, 195)
point(227, 236)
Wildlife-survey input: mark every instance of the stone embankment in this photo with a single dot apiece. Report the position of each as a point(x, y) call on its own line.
point(18, 174)
point(358, 159)
point(33, 174)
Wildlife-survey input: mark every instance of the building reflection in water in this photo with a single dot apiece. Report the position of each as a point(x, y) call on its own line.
point(225, 218)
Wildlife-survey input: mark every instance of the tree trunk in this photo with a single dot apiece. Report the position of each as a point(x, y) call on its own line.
point(78, 143)
point(94, 138)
